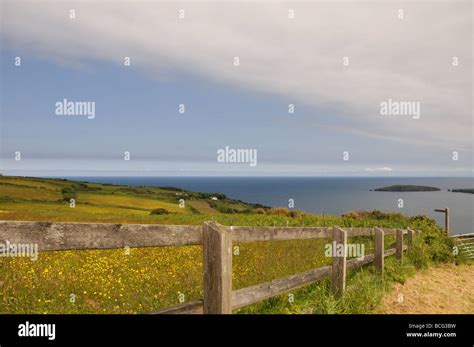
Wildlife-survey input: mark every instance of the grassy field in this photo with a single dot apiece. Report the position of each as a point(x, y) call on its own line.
point(142, 280)
point(442, 289)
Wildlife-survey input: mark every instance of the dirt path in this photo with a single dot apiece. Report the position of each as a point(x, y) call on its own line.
point(442, 289)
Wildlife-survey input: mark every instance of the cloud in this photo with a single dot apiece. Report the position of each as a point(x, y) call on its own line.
point(379, 169)
point(299, 60)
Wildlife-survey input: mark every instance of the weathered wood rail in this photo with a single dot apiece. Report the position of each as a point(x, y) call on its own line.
point(216, 241)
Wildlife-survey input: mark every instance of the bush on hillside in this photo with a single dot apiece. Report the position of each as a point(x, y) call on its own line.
point(375, 214)
point(84, 187)
point(68, 193)
point(280, 211)
point(433, 244)
point(259, 211)
point(159, 211)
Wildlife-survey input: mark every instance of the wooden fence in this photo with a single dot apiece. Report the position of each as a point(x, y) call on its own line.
point(216, 241)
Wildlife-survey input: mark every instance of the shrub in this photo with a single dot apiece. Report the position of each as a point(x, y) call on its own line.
point(280, 211)
point(375, 214)
point(353, 214)
point(84, 187)
point(224, 209)
point(68, 193)
point(194, 210)
point(432, 243)
point(294, 214)
point(219, 196)
point(159, 211)
point(419, 253)
point(247, 211)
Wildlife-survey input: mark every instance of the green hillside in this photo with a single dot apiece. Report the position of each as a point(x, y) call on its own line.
point(27, 198)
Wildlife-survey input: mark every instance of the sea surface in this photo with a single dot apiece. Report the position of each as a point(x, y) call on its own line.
point(330, 195)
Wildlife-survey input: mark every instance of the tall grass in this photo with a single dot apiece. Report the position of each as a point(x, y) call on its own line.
point(365, 287)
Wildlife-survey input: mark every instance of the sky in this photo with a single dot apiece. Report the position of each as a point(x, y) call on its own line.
point(336, 62)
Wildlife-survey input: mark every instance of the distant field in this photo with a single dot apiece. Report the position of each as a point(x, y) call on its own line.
point(31, 193)
point(41, 199)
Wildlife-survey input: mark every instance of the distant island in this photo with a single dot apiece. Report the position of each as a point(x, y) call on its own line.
point(465, 190)
point(407, 188)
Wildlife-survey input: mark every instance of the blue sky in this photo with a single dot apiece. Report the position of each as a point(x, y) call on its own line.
point(246, 107)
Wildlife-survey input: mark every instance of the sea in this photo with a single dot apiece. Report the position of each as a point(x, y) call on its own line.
point(330, 195)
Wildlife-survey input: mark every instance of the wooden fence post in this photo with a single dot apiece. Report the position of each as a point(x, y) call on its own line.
point(379, 250)
point(338, 261)
point(217, 268)
point(399, 245)
point(446, 222)
point(446, 218)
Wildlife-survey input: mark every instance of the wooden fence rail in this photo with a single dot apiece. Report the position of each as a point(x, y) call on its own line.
point(217, 243)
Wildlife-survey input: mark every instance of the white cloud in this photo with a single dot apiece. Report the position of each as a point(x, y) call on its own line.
point(379, 169)
point(298, 59)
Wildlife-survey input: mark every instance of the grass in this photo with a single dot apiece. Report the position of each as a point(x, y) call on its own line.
point(115, 281)
point(445, 288)
point(124, 201)
point(364, 292)
point(24, 192)
point(202, 207)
